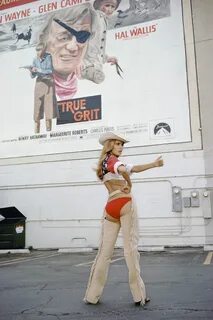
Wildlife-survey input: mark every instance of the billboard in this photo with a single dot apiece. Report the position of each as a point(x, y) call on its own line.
point(72, 69)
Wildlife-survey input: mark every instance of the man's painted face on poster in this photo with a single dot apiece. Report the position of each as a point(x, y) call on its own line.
point(67, 52)
point(108, 7)
point(40, 51)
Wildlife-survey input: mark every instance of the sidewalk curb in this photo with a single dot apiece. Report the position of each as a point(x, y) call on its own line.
point(67, 250)
point(3, 251)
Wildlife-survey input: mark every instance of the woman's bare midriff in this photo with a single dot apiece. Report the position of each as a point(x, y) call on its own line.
point(114, 185)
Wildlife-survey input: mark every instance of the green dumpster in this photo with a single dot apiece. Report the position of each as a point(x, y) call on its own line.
point(12, 228)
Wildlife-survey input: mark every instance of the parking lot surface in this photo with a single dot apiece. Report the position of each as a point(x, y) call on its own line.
point(48, 285)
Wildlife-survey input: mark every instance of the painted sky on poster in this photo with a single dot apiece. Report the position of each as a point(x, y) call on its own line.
point(149, 103)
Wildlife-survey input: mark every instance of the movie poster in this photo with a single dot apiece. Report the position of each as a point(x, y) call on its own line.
point(73, 69)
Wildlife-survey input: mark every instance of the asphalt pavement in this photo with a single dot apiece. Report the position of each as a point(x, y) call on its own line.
point(49, 285)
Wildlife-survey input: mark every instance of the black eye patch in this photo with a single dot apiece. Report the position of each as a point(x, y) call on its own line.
point(81, 36)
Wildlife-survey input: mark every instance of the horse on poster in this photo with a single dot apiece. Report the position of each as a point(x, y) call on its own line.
point(24, 36)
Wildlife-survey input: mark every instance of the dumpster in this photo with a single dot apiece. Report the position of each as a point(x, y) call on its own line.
point(12, 228)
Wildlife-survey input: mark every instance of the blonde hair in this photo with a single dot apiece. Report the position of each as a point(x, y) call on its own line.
point(107, 148)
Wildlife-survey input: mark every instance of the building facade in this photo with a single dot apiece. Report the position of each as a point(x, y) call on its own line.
point(161, 101)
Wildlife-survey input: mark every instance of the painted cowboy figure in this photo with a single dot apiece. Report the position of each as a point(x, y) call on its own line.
point(44, 93)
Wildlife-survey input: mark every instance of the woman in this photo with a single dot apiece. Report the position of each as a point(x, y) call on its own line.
point(119, 213)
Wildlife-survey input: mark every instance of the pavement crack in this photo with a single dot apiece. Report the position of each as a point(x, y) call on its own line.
point(42, 288)
point(177, 309)
point(39, 305)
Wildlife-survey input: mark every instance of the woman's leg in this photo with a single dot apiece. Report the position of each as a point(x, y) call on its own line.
point(99, 271)
point(129, 226)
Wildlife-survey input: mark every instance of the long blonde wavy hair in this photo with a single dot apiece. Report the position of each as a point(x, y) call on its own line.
point(107, 148)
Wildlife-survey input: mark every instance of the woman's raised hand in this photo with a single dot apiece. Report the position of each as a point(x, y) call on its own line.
point(158, 162)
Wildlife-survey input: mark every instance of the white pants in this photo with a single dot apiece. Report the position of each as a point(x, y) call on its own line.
point(99, 271)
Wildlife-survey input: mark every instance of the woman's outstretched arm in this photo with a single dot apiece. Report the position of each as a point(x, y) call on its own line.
point(142, 167)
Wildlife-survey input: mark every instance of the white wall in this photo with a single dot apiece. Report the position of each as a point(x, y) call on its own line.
point(203, 30)
point(64, 203)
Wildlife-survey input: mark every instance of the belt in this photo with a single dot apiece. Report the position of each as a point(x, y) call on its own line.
point(114, 193)
point(43, 77)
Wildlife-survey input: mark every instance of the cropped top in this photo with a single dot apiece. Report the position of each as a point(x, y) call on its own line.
point(110, 168)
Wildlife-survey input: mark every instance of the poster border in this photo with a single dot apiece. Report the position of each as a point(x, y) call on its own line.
point(194, 112)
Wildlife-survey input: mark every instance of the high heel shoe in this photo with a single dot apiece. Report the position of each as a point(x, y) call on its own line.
point(87, 302)
point(142, 304)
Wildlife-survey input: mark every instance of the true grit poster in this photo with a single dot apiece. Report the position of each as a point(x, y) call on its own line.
point(72, 69)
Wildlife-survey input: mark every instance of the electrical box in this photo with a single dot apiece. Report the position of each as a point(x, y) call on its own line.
point(177, 203)
point(207, 198)
point(195, 199)
point(186, 202)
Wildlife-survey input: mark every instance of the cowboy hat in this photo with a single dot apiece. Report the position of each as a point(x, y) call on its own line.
point(97, 3)
point(111, 136)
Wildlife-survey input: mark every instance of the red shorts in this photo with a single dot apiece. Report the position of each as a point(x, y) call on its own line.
point(113, 207)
